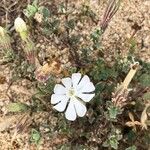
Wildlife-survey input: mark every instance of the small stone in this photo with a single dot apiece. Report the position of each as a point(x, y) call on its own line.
point(38, 45)
point(43, 47)
point(41, 41)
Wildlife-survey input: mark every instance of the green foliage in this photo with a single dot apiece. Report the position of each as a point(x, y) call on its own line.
point(45, 89)
point(42, 96)
point(131, 148)
point(73, 147)
point(51, 27)
point(34, 8)
point(145, 80)
point(113, 139)
point(64, 126)
point(30, 10)
point(70, 24)
point(147, 138)
point(17, 107)
point(72, 70)
point(22, 69)
point(35, 136)
point(44, 11)
point(95, 37)
point(113, 112)
point(88, 12)
point(9, 56)
point(102, 72)
point(131, 136)
point(123, 64)
point(74, 40)
point(133, 46)
point(5, 46)
point(146, 96)
point(62, 8)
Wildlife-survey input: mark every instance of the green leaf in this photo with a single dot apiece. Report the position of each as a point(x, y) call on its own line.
point(146, 96)
point(95, 35)
point(30, 11)
point(113, 139)
point(17, 107)
point(131, 148)
point(106, 144)
point(35, 3)
point(131, 136)
point(133, 45)
point(145, 80)
point(100, 87)
point(44, 11)
point(114, 143)
point(111, 142)
point(35, 136)
point(71, 24)
point(74, 39)
point(113, 111)
point(26, 13)
point(62, 8)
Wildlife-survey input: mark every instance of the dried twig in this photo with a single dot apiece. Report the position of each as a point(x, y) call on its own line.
point(112, 8)
point(119, 97)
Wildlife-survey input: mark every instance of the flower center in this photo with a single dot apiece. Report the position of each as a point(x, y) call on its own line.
point(71, 92)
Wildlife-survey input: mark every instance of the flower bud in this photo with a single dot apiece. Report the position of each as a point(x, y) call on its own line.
point(2, 32)
point(21, 28)
point(27, 43)
point(4, 40)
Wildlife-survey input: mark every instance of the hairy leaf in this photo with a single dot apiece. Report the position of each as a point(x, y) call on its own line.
point(17, 107)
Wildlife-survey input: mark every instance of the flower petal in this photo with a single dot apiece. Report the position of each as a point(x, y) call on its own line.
point(79, 107)
point(70, 113)
point(84, 81)
point(76, 78)
point(61, 106)
point(85, 97)
point(59, 89)
point(89, 87)
point(67, 82)
point(55, 98)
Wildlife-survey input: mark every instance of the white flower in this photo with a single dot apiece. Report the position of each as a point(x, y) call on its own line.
point(20, 25)
point(72, 95)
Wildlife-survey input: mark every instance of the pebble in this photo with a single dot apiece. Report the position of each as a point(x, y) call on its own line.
point(42, 47)
point(38, 45)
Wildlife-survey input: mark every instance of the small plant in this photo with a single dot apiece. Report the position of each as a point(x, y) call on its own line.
point(113, 139)
point(131, 148)
point(17, 107)
point(119, 98)
point(35, 136)
point(113, 111)
point(34, 11)
point(28, 45)
point(95, 36)
point(31, 9)
point(5, 45)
